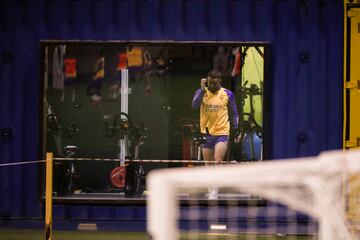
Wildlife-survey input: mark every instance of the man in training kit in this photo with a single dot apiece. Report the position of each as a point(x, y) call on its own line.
point(218, 116)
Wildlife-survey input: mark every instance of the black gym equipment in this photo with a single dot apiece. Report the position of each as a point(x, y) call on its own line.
point(72, 174)
point(251, 131)
point(192, 138)
point(130, 176)
point(251, 141)
point(66, 174)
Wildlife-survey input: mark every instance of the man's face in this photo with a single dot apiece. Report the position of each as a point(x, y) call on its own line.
point(213, 84)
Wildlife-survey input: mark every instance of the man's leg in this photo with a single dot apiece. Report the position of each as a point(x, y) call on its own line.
point(218, 155)
point(208, 155)
point(220, 151)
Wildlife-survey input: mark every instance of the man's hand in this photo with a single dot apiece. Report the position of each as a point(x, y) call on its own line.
point(203, 84)
point(235, 135)
point(238, 138)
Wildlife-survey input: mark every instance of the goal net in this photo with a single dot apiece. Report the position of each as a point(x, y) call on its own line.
point(305, 198)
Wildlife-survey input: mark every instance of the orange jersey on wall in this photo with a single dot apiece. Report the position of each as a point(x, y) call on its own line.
point(122, 61)
point(135, 57)
point(70, 67)
point(237, 65)
point(99, 68)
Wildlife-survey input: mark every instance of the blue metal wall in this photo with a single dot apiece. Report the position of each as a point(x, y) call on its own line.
point(306, 39)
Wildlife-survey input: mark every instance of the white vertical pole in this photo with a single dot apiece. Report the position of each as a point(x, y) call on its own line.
point(46, 70)
point(124, 92)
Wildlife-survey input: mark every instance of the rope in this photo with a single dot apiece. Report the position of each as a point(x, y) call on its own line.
point(135, 160)
point(113, 160)
point(20, 163)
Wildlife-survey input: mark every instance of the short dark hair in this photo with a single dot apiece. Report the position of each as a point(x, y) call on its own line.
point(214, 74)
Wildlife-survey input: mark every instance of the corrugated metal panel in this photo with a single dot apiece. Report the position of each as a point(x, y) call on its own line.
point(306, 71)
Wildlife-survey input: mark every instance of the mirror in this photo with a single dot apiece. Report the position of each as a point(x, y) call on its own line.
point(124, 108)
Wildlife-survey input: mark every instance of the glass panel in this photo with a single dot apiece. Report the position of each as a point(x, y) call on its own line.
point(112, 104)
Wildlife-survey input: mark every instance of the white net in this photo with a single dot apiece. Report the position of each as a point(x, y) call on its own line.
point(308, 198)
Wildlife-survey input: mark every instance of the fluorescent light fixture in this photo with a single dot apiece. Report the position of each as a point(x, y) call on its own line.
point(218, 226)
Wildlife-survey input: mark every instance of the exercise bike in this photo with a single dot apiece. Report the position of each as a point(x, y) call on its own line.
point(130, 176)
point(251, 130)
point(64, 171)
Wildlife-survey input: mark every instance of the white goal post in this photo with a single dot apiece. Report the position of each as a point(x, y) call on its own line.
point(313, 185)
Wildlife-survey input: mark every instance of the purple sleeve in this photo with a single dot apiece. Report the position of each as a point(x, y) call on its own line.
point(233, 114)
point(197, 99)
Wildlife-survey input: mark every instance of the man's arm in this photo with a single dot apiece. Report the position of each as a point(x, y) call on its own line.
point(199, 94)
point(197, 99)
point(232, 108)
